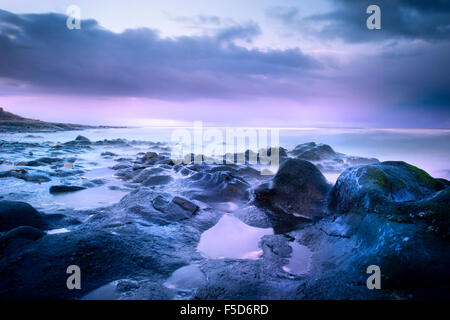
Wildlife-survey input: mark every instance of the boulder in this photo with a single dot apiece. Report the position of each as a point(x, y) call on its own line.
point(14, 214)
point(298, 189)
point(379, 187)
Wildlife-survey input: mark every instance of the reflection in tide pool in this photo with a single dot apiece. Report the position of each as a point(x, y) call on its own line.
point(300, 260)
point(231, 238)
point(186, 278)
point(89, 198)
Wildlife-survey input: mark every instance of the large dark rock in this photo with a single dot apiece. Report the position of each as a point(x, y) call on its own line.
point(378, 187)
point(14, 214)
point(65, 189)
point(298, 189)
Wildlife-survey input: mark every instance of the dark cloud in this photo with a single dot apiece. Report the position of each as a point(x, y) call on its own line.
point(38, 51)
point(400, 19)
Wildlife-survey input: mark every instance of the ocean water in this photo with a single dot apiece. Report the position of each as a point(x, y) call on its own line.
point(428, 149)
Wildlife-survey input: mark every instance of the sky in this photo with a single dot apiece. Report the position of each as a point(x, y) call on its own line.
point(267, 63)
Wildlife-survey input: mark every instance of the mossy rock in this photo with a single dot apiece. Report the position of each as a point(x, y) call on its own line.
point(378, 187)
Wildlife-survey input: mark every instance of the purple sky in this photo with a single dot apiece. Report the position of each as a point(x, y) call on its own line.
point(243, 63)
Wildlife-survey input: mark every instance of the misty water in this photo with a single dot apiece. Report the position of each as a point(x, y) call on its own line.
point(428, 149)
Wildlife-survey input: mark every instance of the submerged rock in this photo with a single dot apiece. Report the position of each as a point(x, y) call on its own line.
point(298, 189)
point(14, 214)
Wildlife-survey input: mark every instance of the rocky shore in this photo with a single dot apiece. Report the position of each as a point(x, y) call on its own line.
point(318, 238)
point(11, 123)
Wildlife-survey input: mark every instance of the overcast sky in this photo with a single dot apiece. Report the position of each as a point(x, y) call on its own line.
point(244, 63)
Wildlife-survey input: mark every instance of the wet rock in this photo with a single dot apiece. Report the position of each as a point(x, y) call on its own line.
point(14, 214)
point(379, 187)
point(126, 285)
point(65, 189)
point(297, 189)
point(112, 142)
point(25, 175)
point(121, 166)
point(20, 235)
point(94, 183)
point(40, 162)
point(80, 141)
point(177, 209)
point(219, 186)
point(187, 206)
point(312, 151)
point(432, 213)
point(326, 159)
point(108, 154)
point(157, 180)
point(148, 156)
point(147, 173)
point(102, 257)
